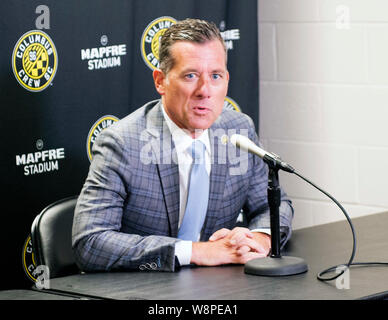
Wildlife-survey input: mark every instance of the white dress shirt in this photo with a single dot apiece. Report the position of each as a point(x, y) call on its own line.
point(182, 142)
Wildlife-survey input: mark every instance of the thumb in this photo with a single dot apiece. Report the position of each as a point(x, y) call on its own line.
point(219, 234)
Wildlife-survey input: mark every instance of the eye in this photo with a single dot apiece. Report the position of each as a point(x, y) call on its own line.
point(190, 76)
point(216, 76)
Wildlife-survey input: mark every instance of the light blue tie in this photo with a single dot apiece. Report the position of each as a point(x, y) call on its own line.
point(198, 195)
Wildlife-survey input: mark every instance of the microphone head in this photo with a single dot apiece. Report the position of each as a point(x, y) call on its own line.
point(233, 139)
point(242, 142)
point(246, 144)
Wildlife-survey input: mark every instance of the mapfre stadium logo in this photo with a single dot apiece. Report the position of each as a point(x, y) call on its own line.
point(34, 60)
point(151, 38)
point(101, 124)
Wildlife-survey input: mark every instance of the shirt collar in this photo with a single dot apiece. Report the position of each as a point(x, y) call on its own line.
point(181, 139)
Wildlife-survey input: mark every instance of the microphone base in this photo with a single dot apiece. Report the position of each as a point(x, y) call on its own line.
point(274, 267)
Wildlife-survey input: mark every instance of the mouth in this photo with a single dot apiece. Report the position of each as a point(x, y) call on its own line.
point(201, 110)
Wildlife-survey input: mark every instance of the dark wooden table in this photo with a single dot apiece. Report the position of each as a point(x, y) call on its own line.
point(321, 246)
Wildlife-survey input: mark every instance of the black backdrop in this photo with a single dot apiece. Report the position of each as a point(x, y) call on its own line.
point(90, 53)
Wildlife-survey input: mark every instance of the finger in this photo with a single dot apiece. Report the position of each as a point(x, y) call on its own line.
point(240, 230)
point(251, 255)
point(237, 239)
point(238, 234)
point(219, 234)
point(242, 259)
point(253, 245)
point(243, 250)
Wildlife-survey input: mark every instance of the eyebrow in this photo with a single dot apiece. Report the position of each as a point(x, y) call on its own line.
point(188, 70)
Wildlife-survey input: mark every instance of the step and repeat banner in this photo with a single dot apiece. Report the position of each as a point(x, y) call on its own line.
point(70, 69)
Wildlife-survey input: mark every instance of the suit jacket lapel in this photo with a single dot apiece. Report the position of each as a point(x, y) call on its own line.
point(165, 158)
point(166, 162)
point(218, 175)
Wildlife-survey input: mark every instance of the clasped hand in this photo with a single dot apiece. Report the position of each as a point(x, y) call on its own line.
point(236, 246)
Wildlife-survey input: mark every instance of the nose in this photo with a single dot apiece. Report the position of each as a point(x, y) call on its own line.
point(203, 88)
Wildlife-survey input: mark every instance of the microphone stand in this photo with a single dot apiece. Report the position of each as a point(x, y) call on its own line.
point(275, 264)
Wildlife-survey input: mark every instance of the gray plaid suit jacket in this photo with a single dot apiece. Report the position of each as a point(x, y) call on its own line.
point(128, 211)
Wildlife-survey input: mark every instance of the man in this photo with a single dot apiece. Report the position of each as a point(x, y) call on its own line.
point(132, 212)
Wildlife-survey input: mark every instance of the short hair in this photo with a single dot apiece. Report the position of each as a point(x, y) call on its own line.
point(193, 30)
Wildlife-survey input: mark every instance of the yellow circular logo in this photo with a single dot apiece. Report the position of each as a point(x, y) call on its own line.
point(150, 40)
point(29, 264)
point(34, 60)
point(230, 104)
point(101, 124)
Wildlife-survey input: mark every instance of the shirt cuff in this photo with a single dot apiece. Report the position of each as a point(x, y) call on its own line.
point(183, 251)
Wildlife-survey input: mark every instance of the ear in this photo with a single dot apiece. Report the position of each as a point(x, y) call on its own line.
point(159, 80)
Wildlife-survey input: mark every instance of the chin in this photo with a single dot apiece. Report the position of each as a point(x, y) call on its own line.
point(202, 124)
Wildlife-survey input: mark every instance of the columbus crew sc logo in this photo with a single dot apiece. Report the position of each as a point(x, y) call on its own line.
point(101, 124)
point(29, 264)
point(230, 104)
point(34, 60)
point(150, 40)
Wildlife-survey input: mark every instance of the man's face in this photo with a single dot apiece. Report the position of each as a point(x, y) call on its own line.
point(194, 89)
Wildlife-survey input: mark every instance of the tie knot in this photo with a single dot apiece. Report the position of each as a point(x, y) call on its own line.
point(198, 151)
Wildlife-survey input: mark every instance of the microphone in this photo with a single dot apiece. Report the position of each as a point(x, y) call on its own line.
point(275, 264)
point(246, 144)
